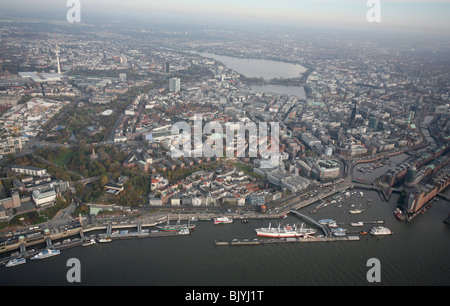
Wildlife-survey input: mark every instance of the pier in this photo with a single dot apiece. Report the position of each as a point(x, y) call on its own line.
point(237, 242)
point(23, 244)
point(443, 196)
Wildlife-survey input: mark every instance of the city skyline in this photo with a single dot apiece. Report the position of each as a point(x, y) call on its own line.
point(396, 15)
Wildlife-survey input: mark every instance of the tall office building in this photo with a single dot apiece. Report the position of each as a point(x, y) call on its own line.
point(167, 67)
point(353, 116)
point(57, 60)
point(373, 123)
point(174, 85)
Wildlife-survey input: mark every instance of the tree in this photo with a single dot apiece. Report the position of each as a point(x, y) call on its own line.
point(104, 180)
point(80, 188)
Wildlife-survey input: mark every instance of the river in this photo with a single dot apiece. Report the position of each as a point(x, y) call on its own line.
point(417, 254)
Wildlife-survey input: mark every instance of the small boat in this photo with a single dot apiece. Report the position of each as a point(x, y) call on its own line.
point(104, 240)
point(46, 254)
point(15, 262)
point(326, 221)
point(184, 231)
point(356, 211)
point(88, 242)
point(335, 230)
point(222, 220)
point(381, 230)
point(356, 224)
point(399, 214)
point(339, 233)
point(363, 233)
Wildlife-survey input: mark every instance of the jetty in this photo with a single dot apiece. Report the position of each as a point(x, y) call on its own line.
point(240, 242)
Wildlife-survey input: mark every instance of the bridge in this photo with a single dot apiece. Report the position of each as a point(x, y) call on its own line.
point(312, 221)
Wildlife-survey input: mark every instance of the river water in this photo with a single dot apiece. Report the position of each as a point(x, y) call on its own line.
point(417, 254)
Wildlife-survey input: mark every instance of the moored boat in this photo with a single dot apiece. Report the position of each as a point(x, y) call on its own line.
point(356, 211)
point(46, 254)
point(15, 262)
point(356, 224)
point(184, 231)
point(380, 230)
point(326, 221)
point(339, 233)
point(176, 227)
point(222, 220)
point(285, 231)
point(88, 242)
point(399, 214)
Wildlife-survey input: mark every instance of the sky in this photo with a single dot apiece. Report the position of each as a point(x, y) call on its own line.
point(400, 15)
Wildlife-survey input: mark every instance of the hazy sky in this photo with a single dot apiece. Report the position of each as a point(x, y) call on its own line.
point(413, 15)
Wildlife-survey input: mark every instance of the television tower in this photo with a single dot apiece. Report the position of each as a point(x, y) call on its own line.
point(57, 59)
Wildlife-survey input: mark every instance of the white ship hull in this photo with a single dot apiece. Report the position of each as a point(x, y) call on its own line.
point(223, 220)
point(284, 232)
point(356, 211)
point(46, 254)
point(380, 230)
point(15, 262)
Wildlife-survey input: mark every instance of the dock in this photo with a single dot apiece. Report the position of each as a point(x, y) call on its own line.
point(238, 242)
point(141, 235)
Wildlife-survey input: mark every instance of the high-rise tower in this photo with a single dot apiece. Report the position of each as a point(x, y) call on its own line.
point(57, 59)
point(353, 116)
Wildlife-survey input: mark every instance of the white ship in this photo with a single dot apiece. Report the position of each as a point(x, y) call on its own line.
point(89, 242)
point(184, 231)
point(356, 211)
point(339, 232)
point(46, 254)
point(15, 262)
point(381, 230)
point(104, 240)
point(285, 231)
point(222, 220)
point(326, 221)
point(356, 224)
